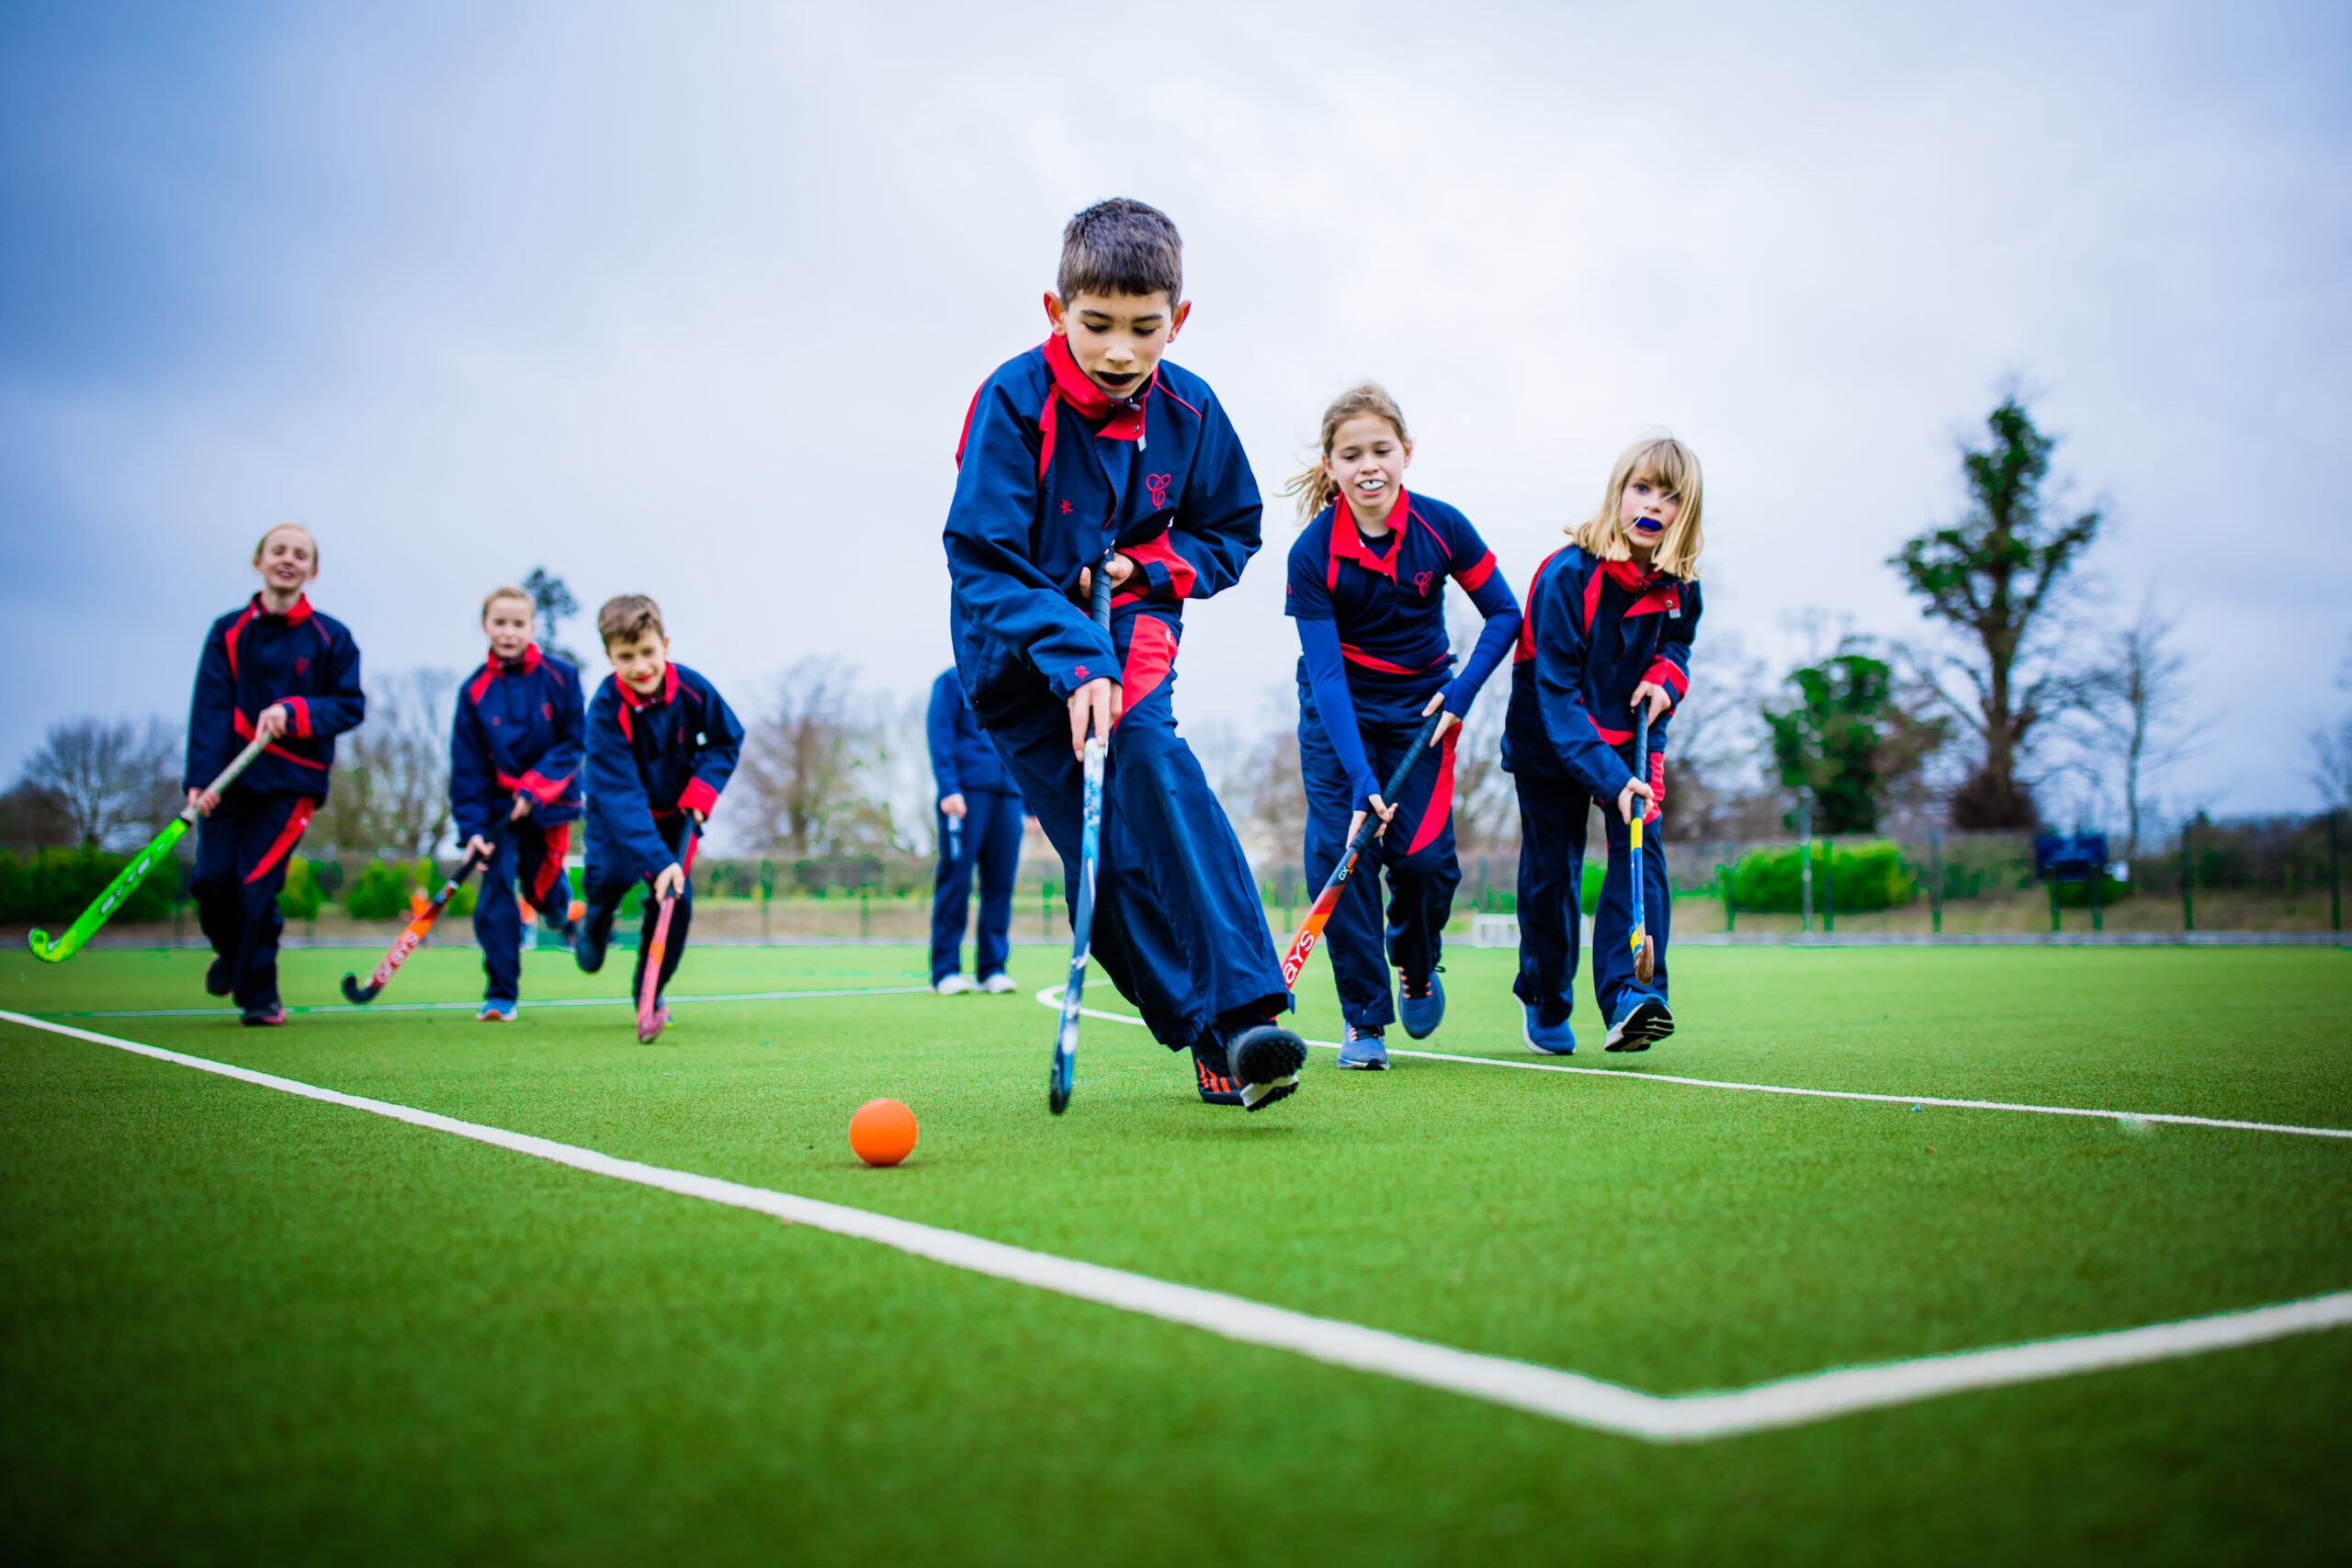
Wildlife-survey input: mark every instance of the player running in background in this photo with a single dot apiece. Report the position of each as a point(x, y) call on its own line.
point(278, 668)
point(661, 743)
point(1367, 589)
point(514, 789)
point(1609, 618)
point(980, 820)
point(1088, 441)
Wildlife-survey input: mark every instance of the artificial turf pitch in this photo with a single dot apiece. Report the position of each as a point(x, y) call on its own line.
point(240, 1325)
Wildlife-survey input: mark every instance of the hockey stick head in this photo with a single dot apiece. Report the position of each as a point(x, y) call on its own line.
point(356, 994)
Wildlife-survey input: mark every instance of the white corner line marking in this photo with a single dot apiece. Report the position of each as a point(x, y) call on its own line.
point(1521, 1386)
point(1052, 996)
point(533, 1004)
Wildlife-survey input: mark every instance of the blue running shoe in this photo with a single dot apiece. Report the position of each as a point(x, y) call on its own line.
point(1362, 1049)
point(1551, 1039)
point(496, 1013)
point(1642, 1022)
point(1423, 1006)
point(586, 952)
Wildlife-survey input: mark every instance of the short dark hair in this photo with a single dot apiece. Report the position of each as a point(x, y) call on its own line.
point(1121, 247)
point(628, 617)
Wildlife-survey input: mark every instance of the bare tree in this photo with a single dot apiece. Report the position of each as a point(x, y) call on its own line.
point(817, 776)
point(2332, 751)
point(2134, 710)
point(391, 789)
point(114, 784)
point(32, 816)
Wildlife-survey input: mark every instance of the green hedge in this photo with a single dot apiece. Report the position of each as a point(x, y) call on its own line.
point(55, 885)
point(1866, 874)
point(382, 891)
point(300, 898)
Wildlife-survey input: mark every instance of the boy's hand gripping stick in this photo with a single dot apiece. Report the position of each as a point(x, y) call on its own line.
point(411, 938)
point(1089, 855)
point(1645, 958)
point(649, 991)
point(129, 876)
point(1319, 914)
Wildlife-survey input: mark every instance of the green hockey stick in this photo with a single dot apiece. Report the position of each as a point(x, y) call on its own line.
point(157, 849)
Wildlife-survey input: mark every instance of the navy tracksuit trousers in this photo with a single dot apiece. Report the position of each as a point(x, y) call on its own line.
point(989, 839)
point(241, 853)
point(1551, 818)
point(532, 854)
point(1178, 925)
point(1417, 852)
point(604, 886)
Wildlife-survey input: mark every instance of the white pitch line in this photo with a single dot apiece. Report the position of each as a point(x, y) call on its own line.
point(536, 1003)
point(1521, 1386)
point(1052, 996)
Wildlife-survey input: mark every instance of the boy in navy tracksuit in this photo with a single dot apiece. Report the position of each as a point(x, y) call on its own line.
point(1089, 441)
point(276, 668)
point(981, 819)
point(515, 788)
point(661, 745)
point(1367, 589)
point(1609, 619)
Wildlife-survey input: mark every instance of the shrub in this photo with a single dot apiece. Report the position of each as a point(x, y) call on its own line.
point(382, 891)
point(56, 884)
point(1869, 874)
point(299, 898)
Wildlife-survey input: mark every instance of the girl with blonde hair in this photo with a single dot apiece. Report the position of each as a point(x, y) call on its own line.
point(1609, 619)
point(1367, 589)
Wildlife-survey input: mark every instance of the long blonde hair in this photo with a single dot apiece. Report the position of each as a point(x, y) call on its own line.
point(1663, 461)
point(1313, 484)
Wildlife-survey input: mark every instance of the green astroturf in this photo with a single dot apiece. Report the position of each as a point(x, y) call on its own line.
point(239, 1326)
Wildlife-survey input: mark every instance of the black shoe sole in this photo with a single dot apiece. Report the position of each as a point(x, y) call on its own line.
point(1275, 1091)
point(1649, 1024)
point(1265, 1055)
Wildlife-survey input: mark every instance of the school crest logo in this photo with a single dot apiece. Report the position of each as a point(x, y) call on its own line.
point(303, 665)
point(1157, 484)
point(1068, 509)
point(1421, 584)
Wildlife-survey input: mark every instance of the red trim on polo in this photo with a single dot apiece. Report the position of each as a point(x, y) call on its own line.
point(964, 438)
point(1441, 804)
point(1122, 418)
point(1657, 781)
point(547, 790)
point(554, 844)
point(630, 699)
point(1477, 573)
point(296, 821)
point(1151, 653)
point(236, 628)
point(1348, 545)
point(1614, 736)
point(1665, 672)
point(300, 708)
point(697, 796)
point(1591, 601)
point(245, 731)
point(1527, 620)
point(1355, 655)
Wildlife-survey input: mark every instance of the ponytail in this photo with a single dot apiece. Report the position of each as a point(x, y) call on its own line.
point(1313, 484)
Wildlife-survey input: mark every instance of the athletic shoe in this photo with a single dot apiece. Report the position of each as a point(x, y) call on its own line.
point(955, 985)
point(586, 951)
point(496, 1013)
point(1551, 1038)
point(1423, 1006)
point(652, 1030)
point(1642, 1022)
point(998, 984)
point(219, 979)
point(1363, 1049)
point(269, 1017)
point(1208, 1074)
point(1264, 1059)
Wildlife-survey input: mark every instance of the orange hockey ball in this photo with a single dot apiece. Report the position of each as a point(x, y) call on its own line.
point(883, 1131)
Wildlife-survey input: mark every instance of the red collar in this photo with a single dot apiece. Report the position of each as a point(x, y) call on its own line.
point(1629, 576)
point(1121, 417)
point(300, 611)
point(1348, 545)
point(669, 688)
point(523, 666)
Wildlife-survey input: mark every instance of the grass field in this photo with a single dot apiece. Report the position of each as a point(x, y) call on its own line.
point(238, 1325)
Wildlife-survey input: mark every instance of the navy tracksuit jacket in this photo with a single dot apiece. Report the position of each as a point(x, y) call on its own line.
point(253, 659)
point(987, 836)
point(1051, 472)
point(517, 733)
point(1371, 615)
point(1594, 631)
point(650, 761)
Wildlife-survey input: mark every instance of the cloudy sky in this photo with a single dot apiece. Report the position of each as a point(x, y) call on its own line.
point(690, 299)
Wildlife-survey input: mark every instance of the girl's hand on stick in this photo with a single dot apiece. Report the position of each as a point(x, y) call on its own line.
point(1437, 736)
point(1626, 799)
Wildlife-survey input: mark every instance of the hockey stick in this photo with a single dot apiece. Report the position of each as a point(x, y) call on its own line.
point(1645, 957)
point(129, 876)
point(1089, 855)
point(411, 938)
point(648, 990)
point(1319, 914)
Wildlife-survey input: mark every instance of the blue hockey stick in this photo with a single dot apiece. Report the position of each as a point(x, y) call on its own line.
point(1089, 855)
